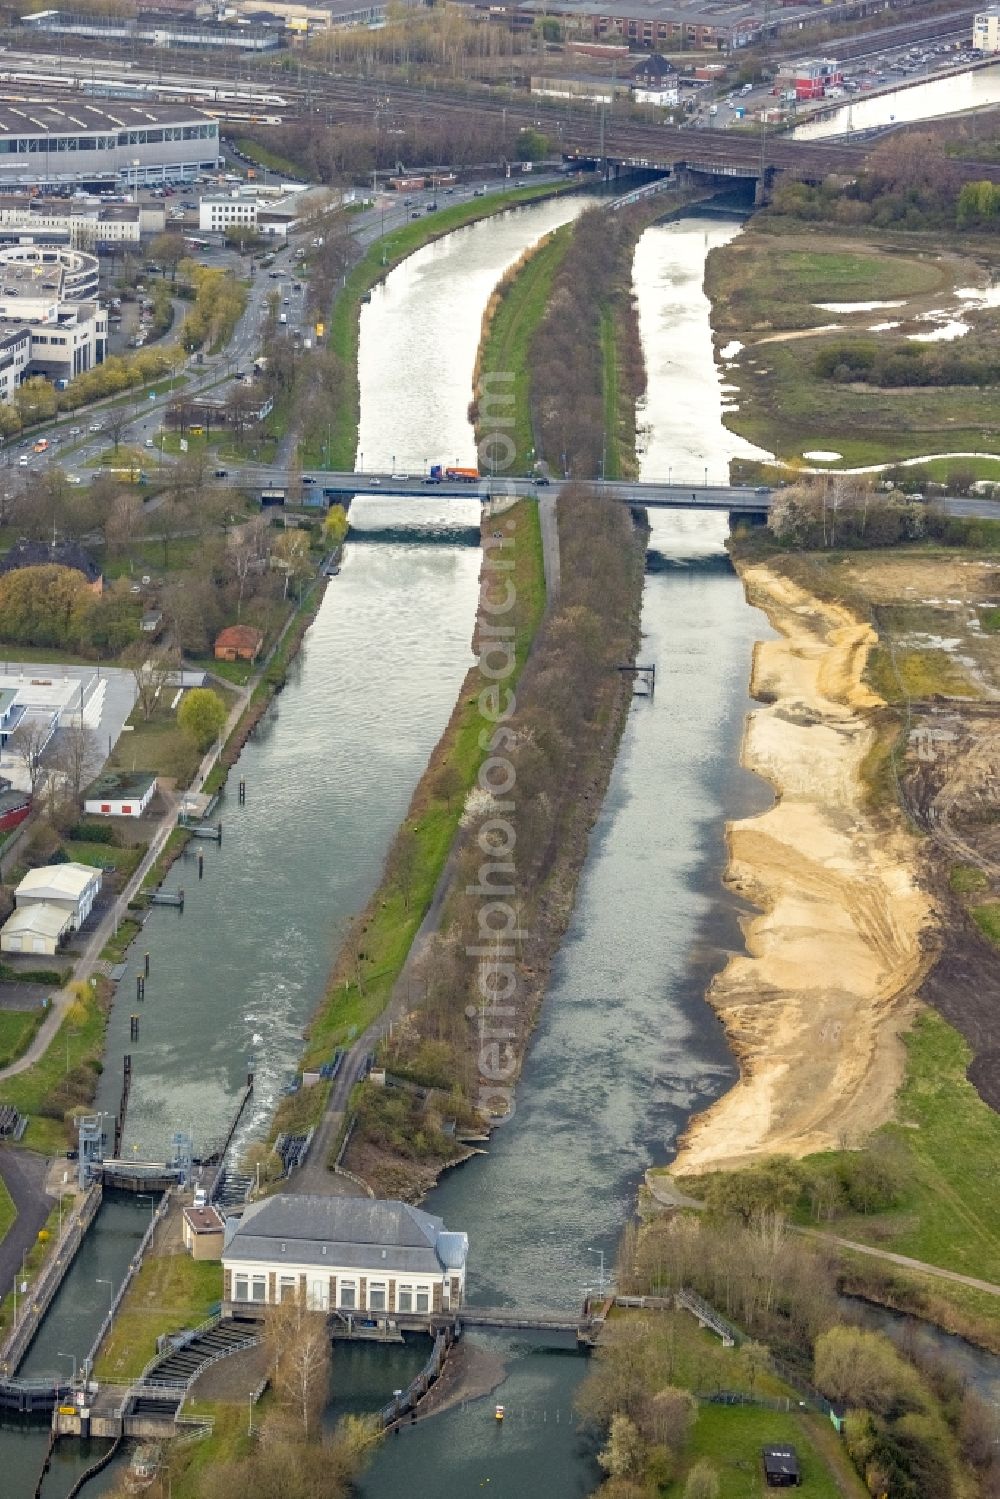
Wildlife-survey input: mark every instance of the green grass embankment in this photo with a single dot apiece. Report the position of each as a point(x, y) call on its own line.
point(18, 1029)
point(171, 1292)
point(509, 325)
point(65, 1076)
point(377, 261)
point(8, 1212)
point(373, 955)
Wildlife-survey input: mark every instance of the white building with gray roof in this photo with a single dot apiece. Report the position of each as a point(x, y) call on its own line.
point(367, 1259)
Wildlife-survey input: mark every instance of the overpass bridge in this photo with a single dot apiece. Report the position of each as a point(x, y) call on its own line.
point(320, 486)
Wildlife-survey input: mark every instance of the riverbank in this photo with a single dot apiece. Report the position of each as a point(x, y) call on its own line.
point(817, 1008)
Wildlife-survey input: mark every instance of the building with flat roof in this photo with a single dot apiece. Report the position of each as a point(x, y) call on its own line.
point(48, 314)
point(60, 141)
point(163, 30)
point(120, 793)
point(85, 224)
point(986, 29)
point(362, 1256)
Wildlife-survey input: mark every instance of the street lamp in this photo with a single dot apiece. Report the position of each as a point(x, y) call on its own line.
point(706, 475)
point(250, 1425)
point(70, 1356)
point(601, 1253)
point(148, 1197)
point(100, 1281)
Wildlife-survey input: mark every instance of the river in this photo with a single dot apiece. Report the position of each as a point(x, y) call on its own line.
point(923, 101)
point(626, 1048)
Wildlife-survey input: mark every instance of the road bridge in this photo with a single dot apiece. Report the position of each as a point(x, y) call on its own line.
point(315, 486)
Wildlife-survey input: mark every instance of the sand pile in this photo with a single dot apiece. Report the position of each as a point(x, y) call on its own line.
point(816, 1008)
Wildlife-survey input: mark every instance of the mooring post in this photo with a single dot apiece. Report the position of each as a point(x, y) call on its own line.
point(243, 792)
point(181, 895)
point(201, 865)
point(140, 988)
point(146, 965)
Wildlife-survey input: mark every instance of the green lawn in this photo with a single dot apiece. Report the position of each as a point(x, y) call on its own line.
point(76, 1044)
point(949, 1142)
point(8, 1212)
point(508, 340)
point(731, 1438)
point(108, 856)
point(18, 1029)
point(171, 1292)
point(987, 919)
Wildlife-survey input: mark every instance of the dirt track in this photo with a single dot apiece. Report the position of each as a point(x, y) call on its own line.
point(816, 1009)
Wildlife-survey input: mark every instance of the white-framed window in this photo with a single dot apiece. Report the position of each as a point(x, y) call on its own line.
point(258, 1288)
point(287, 1287)
point(376, 1297)
point(241, 1288)
point(423, 1299)
point(347, 1291)
point(404, 1298)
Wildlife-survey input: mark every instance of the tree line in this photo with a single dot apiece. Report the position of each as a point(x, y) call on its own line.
point(590, 319)
point(905, 363)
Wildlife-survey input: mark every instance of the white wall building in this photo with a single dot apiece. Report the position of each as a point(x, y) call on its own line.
point(120, 793)
point(47, 293)
point(67, 140)
point(37, 928)
point(986, 29)
point(218, 212)
point(71, 888)
point(371, 1258)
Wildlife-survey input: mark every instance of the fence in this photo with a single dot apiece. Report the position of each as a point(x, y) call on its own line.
point(340, 1170)
point(40, 1295)
point(135, 1265)
point(419, 1385)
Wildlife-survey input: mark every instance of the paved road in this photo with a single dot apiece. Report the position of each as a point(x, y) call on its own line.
point(904, 1261)
point(24, 1176)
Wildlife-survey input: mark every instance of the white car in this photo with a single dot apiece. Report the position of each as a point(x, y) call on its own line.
point(75, 431)
point(74, 478)
point(96, 426)
point(150, 443)
point(23, 461)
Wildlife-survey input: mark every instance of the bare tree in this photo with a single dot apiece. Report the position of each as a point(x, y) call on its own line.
point(151, 671)
point(246, 553)
point(28, 743)
point(75, 757)
point(118, 421)
point(300, 1350)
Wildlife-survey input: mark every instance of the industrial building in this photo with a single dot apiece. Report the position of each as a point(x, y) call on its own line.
point(162, 30)
point(59, 143)
point(363, 1258)
point(85, 224)
point(218, 212)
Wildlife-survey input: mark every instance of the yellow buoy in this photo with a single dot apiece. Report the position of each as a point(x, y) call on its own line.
point(499, 1412)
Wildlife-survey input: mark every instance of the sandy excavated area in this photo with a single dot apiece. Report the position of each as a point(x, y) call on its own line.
point(816, 1010)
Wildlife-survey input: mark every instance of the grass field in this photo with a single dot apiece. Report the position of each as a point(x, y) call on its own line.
point(760, 281)
point(170, 1292)
point(731, 1438)
point(8, 1212)
point(512, 328)
point(18, 1029)
point(947, 1141)
point(987, 919)
point(395, 913)
point(78, 1042)
point(916, 673)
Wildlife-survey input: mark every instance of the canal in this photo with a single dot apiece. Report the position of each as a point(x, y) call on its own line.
point(957, 94)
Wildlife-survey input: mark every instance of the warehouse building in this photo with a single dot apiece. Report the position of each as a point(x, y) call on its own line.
point(58, 143)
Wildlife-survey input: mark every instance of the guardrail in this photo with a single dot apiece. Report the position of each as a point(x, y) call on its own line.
point(135, 1265)
point(39, 1297)
point(419, 1385)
